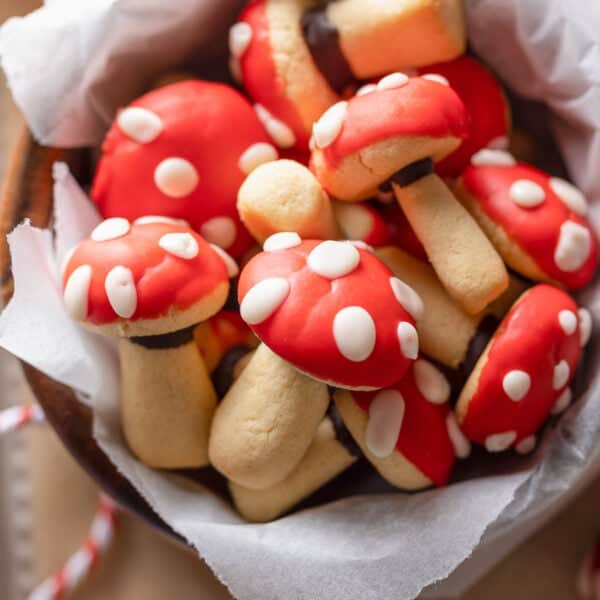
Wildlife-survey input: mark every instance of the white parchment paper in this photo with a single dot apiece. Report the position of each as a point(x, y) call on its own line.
point(373, 547)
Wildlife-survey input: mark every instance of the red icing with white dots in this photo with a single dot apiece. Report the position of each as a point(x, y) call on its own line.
point(163, 281)
point(260, 74)
point(529, 339)
point(485, 103)
point(208, 124)
point(535, 229)
point(300, 330)
point(423, 439)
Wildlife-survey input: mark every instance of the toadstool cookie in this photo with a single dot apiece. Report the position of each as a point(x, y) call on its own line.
point(361, 221)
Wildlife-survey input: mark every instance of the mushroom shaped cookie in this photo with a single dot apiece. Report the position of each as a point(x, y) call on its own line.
point(535, 221)
point(183, 151)
point(524, 372)
point(361, 221)
point(327, 313)
point(150, 283)
point(270, 55)
point(396, 132)
point(486, 104)
point(407, 430)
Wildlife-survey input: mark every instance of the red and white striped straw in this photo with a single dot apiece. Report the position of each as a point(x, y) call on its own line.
point(99, 536)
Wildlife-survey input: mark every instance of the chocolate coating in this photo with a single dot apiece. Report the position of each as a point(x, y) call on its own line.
point(222, 376)
point(174, 339)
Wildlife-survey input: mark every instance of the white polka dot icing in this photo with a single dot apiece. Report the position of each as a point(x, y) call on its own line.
point(526, 193)
point(76, 292)
point(328, 127)
point(431, 382)
point(498, 442)
point(562, 402)
point(230, 264)
point(151, 219)
point(437, 78)
point(176, 177)
point(386, 413)
point(281, 241)
point(120, 291)
point(139, 124)
point(526, 445)
point(366, 89)
point(516, 384)
point(392, 81)
point(354, 333)
point(333, 259)
point(279, 132)
point(240, 36)
point(110, 229)
point(221, 231)
point(567, 320)
point(407, 297)
point(560, 375)
point(573, 248)
point(408, 339)
point(571, 196)
point(263, 299)
point(256, 155)
point(460, 443)
point(585, 325)
point(182, 245)
point(493, 158)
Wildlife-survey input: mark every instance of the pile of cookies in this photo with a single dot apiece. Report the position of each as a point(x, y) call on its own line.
point(341, 260)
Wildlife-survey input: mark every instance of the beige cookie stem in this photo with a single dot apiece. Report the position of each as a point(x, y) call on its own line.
point(167, 403)
point(463, 258)
point(266, 422)
point(325, 459)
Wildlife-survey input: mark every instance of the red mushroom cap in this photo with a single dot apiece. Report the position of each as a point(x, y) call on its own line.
point(332, 310)
point(543, 215)
point(361, 221)
point(527, 367)
point(486, 105)
point(183, 151)
point(139, 272)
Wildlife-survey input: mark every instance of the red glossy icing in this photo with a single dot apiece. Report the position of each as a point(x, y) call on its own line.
point(380, 233)
point(163, 281)
point(485, 103)
point(536, 230)
point(423, 438)
point(209, 124)
point(260, 75)
point(401, 234)
point(530, 339)
point(301, 329)
point(419, 108)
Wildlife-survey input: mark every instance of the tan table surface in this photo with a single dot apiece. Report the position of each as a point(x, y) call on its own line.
point(142, 564)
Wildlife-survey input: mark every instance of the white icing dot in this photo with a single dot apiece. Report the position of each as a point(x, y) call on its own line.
point(431, 382)
point(280, 133)
point(355, 221)
point(498, 442)
point(462, 446)
point(67, 259)
point(573, 248)
point(220, 231)
point(139, 124)
point(362, 245)
point(386, 413)
point(151, 219)
point(568, 321)
point(282, 241)
point(585, 326)
point(526, 445)
point(76, 292)
point(329, 125)
point(493, 158)
point(393, 80)
point(516, 384)
point(526, 193)
point(176, 177)
point(333, 259)
point(240, 36)
point(354, 333)
point(110, 229)
point(498, 143)
point(562, 402)
point(120, 290)
point(366, 89)
point(182, 245)
point(263, 299)
point(571, 196)
point(230, 264)
point(560, 376)
point(409, 340)
point(436, 77)
point(407, 297)
point(256, 155)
